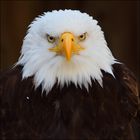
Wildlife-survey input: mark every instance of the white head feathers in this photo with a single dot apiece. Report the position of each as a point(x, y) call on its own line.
point(47, 68)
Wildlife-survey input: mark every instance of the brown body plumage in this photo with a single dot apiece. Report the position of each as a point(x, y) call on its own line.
point(70, 113)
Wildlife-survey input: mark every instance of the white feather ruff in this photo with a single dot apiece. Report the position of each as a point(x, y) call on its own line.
point(47, 68)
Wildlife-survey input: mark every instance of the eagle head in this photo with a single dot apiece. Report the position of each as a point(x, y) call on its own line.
point(63, 47)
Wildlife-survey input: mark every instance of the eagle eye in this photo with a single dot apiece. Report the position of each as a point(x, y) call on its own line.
point(82, 36)
point(50, 38)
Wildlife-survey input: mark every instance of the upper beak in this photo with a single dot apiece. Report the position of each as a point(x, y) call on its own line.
point(67, 45)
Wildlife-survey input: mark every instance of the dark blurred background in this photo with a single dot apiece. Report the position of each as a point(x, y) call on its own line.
point(120, 20)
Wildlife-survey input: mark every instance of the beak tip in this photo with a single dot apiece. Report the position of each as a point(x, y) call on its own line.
point(68, 58)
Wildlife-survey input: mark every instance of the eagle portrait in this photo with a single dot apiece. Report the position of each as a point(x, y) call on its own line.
point(67, 85)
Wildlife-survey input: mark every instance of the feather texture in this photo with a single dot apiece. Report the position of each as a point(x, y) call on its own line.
point(69, 112)
point(48, 68)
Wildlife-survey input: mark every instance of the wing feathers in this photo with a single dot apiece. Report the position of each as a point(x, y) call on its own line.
point(130, 85)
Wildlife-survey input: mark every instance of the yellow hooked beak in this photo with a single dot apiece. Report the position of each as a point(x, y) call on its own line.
point(67, 45)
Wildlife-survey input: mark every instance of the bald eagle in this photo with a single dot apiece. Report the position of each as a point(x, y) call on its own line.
point(68, 85)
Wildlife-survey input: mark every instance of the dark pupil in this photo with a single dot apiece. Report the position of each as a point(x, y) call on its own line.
point(51, 38)
point(81, 36)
